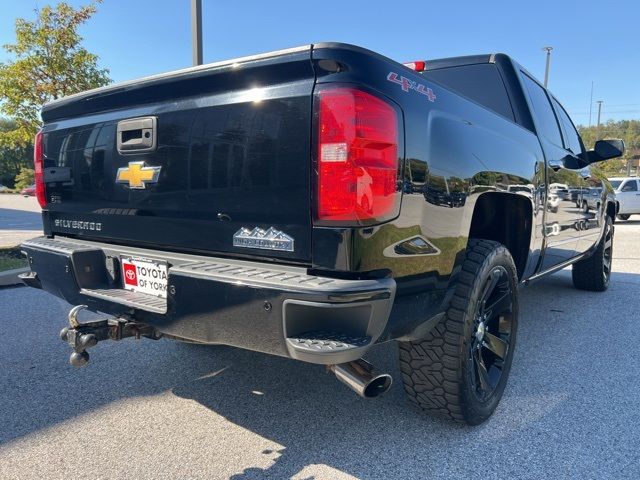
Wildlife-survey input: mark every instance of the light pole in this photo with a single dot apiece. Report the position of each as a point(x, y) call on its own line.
point(600, 102)
point(546, 70)
point(196, 31)
point(590, 103)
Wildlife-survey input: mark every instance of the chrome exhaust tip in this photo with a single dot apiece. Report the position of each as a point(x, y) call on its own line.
point(360, 377)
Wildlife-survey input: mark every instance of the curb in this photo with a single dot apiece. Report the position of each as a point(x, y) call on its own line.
point(10, 277)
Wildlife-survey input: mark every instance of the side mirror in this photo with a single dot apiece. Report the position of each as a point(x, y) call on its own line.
point(605, 149)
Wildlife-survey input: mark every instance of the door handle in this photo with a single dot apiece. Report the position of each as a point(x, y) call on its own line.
point(137, 135)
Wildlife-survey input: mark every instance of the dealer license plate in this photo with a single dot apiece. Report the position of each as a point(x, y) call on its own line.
point(144, 276)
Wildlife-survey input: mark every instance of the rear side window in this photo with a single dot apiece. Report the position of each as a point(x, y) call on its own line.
point(481, 83)
point(546, 119)
point(571, 137)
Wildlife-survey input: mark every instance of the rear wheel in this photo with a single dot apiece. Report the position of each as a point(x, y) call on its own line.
point(624, 216)
point(594, 273)
point(460, 369)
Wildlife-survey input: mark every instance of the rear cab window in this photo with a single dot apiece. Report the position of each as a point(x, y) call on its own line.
point(547, 124)
point(480, 82)
point(571, 137)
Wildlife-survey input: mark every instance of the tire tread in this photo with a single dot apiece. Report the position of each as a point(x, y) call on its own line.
point(431, 368)
point(587, 273)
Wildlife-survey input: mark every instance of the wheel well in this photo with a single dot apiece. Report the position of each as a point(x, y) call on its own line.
point(505, 218)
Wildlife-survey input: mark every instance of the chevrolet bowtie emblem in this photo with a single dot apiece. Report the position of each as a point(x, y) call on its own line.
point(137, 176)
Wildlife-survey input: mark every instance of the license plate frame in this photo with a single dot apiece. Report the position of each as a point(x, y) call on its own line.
point(144, 275)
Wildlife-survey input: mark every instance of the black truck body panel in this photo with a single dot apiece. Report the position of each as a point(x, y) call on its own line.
point(233, 148)
point(236, 144)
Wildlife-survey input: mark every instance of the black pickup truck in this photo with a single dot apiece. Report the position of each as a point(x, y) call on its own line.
point(315, 201)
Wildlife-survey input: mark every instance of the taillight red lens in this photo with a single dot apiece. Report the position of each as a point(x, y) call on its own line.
point(357, 157)
point(38, 167)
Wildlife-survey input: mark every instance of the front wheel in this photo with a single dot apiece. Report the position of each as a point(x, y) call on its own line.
point(624, 216)
point(594, 273)
point(460, 369)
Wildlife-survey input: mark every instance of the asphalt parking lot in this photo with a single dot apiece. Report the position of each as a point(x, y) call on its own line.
point(20, 219)
point(167, 410)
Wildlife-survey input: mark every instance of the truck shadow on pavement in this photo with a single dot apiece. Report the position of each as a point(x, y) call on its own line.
point(631, 222)
point(318, 421)
point(314, 419)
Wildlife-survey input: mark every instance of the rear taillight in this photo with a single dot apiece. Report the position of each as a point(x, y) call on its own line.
point(357, 157)
point(38, 167)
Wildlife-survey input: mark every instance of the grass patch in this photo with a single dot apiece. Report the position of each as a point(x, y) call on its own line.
point(11, 258)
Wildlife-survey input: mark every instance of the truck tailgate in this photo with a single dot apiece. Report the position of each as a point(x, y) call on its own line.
point(220, 152)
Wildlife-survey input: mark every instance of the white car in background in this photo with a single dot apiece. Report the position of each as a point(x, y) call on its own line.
point(561, 190)
point(627, 190)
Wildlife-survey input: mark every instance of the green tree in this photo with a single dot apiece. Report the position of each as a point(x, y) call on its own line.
point(12, 158)
point(24, 178)
point(627, 130)
point(49, 62)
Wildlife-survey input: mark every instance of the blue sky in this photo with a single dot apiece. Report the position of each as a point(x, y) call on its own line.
point(593, 41)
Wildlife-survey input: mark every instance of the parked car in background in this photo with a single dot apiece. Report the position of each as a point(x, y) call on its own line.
point(627, 191)
point(29, 191)
point(561, 190)
point(591, 200)
point(4, 188)
point(577, 194)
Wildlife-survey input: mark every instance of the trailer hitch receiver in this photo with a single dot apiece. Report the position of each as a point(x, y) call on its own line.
point(81, 336)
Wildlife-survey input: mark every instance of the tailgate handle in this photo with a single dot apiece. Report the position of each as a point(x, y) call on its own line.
point(137, 135)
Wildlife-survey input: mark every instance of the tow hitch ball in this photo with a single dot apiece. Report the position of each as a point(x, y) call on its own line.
point(81, 336)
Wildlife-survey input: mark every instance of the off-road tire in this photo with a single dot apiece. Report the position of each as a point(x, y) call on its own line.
point(437, 371)
point(594, 272)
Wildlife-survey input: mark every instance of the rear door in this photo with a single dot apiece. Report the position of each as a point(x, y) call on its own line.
point(561, 216)
point(589, 219)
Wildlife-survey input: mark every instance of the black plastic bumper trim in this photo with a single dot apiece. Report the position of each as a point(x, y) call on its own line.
point(252, 305)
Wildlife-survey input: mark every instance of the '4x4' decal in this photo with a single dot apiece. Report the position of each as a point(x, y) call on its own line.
point(407, 85)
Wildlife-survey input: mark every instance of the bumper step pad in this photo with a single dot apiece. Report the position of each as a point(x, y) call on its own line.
point(319, 341)
point(131, 299)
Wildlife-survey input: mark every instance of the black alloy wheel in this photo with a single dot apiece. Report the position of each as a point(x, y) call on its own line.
point(607, 254)
point(489, 346)
point(594, 272)
point(460, 368)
